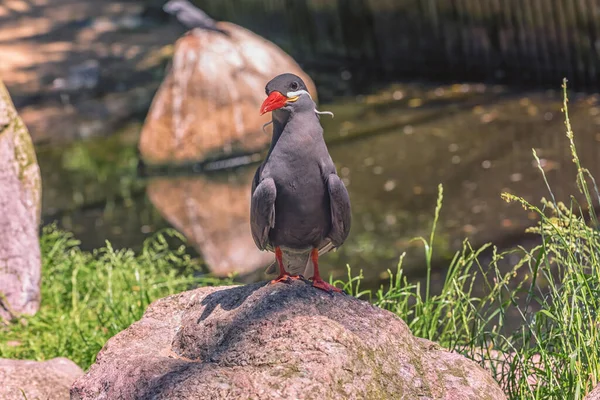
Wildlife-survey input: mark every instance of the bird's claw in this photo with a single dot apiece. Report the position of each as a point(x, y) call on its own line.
point(283, 278)
point(287, 278)
point(321, 284)
point(303, 279)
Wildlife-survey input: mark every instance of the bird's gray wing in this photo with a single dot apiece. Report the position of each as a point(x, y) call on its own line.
point(262, 212)
point(256, 179)
point(340, 210)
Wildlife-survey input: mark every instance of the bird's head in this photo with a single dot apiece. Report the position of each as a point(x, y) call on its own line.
point(287, 92)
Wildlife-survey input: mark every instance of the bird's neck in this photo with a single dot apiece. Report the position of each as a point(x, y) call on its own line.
point(300, 121)
point(280, 120)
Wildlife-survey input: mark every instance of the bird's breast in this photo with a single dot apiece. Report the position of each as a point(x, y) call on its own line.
point(302, 209)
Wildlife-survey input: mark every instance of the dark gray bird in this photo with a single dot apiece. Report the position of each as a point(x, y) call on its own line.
point(300, 208)
point(191, 16)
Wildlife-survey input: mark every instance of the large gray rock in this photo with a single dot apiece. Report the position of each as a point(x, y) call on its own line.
point(20, 200)
point(276, 342)
point(49, 380)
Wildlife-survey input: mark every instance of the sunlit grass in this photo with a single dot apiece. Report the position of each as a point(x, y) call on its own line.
point(89, 297)
point(554, 292)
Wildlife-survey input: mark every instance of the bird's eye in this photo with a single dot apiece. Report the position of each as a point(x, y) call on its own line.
point(294, 86)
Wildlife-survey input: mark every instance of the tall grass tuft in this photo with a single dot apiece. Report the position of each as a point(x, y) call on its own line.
point(553, 290)
point(88, 297)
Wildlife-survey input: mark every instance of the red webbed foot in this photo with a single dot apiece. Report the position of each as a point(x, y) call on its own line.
point(296, 277)
point(283, 278)
point(303, 279)
point(321, 284)
point(316, 279)
point(287, 278)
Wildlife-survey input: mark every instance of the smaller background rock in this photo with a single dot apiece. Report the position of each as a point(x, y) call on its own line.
point(48, 380)
point(208, 104)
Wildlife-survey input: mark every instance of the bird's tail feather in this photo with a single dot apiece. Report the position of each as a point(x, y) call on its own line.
point(294, 263)
point(271, 268)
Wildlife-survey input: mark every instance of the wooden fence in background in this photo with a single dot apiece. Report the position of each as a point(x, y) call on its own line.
point(535, 41)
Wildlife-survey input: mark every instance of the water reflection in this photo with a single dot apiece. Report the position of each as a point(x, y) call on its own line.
point(212, 211)
point(392, 149)
point(477, 152)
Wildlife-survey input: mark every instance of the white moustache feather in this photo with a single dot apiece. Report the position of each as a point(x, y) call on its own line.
point(300, 93)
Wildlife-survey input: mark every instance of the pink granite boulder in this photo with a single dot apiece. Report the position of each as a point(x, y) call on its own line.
point(276, 342)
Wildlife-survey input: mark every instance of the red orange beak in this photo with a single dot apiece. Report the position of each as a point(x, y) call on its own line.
point(273, 102)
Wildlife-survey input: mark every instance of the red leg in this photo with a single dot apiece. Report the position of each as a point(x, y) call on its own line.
point(283, 275)
point(317, 281)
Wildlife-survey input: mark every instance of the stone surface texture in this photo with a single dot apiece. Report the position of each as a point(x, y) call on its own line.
point(32, 380)
point(20, 202)
point(278, 341)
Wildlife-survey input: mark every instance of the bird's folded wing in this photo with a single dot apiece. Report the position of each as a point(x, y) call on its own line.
point(262, 212)
point(340, 210)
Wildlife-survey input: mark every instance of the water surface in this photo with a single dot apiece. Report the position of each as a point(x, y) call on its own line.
point(392, 149)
